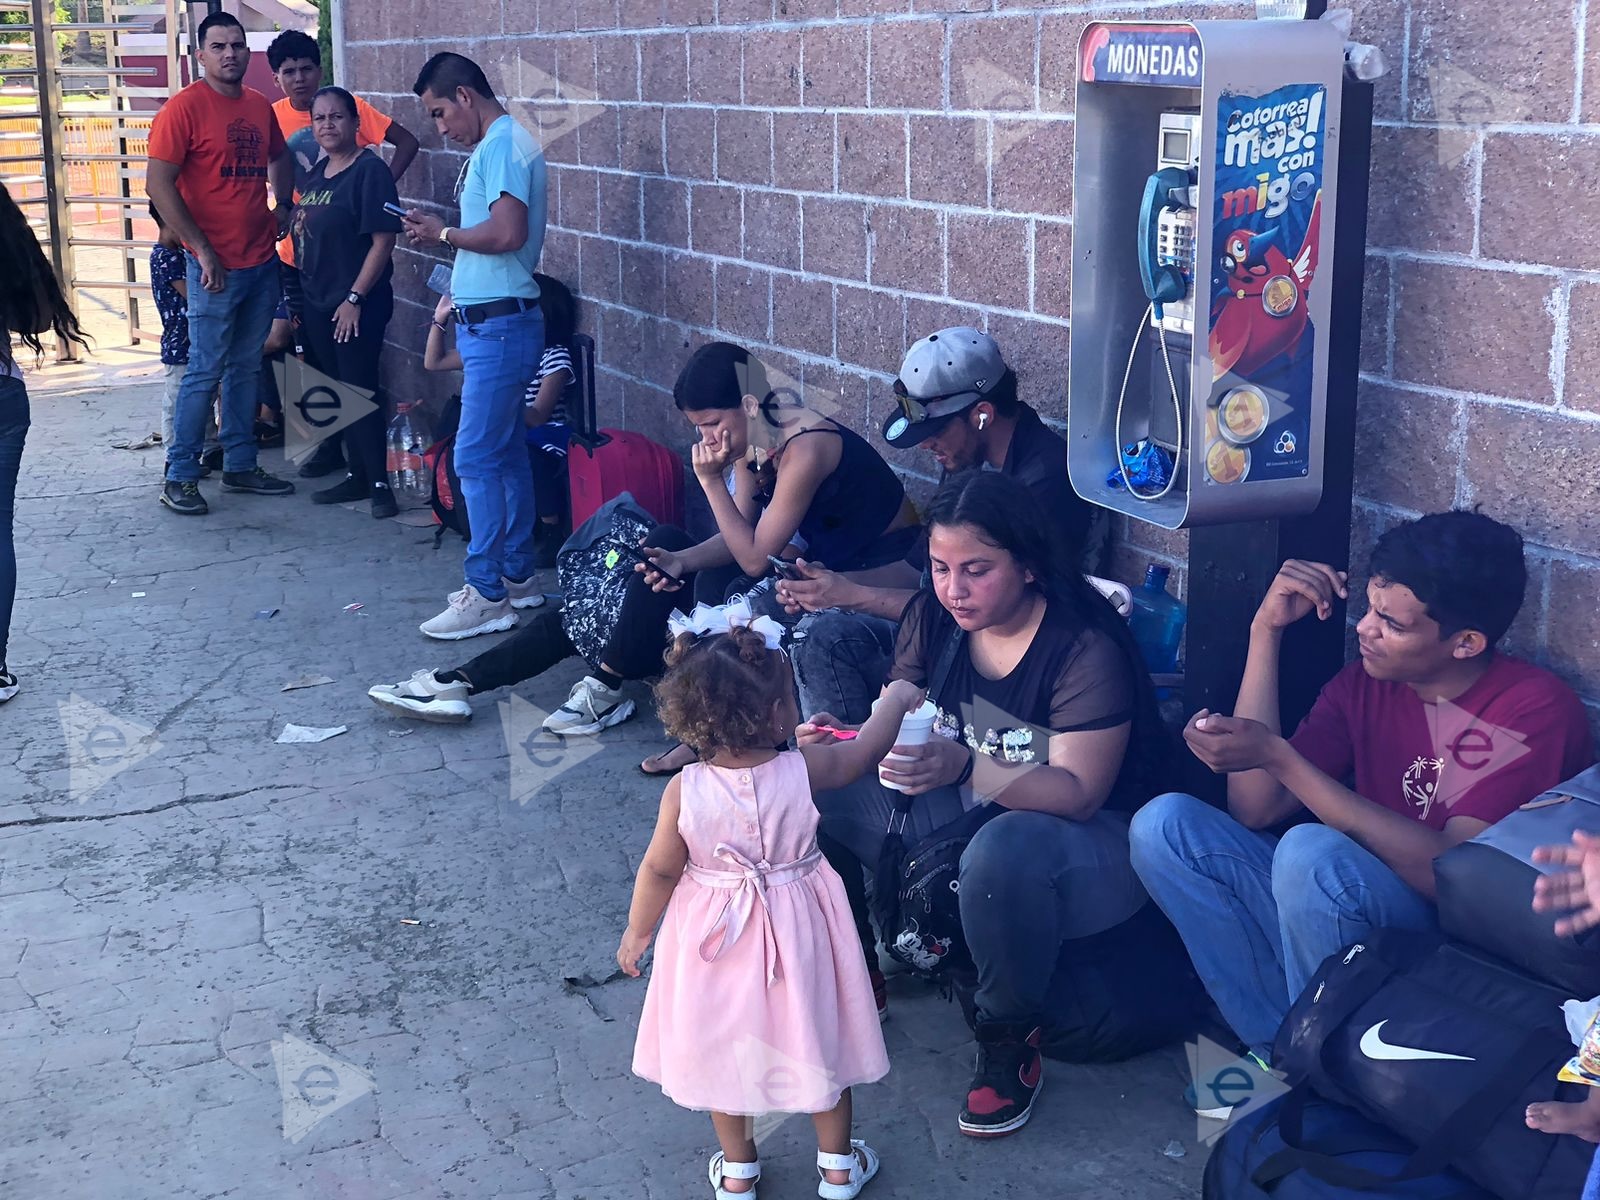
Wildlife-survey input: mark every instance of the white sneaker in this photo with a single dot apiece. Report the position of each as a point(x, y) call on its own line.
point(591, 707)
point(470, 614)
point(425, 698)
point(527, 594)
point(9, 686)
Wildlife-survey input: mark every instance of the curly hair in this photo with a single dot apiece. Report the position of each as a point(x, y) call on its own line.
point(718, 691)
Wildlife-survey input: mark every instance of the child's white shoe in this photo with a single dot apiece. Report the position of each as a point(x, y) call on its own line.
point(722, 1169)
point(862, 1163)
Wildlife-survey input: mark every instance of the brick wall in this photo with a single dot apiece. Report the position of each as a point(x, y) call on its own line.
point(826, 179)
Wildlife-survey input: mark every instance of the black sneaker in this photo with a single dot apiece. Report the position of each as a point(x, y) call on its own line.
point(211, 460)
point(184, 497)
point(383, 504)
point(257, 482)
point(347, 491)
point(1006, 1080)
point(324, 460)
point(547, 540)
point(268, 435)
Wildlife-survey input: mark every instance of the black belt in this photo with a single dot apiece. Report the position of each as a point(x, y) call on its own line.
point(471, 314)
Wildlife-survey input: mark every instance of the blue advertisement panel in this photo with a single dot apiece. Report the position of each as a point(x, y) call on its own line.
point(1266, 230)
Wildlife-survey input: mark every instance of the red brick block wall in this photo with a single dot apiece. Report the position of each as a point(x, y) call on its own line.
point(827, 179)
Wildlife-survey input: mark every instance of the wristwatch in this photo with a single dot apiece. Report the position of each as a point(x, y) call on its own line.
point(353, 298)
point(444, 235)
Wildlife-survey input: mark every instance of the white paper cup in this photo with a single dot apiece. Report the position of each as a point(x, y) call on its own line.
point(915, 729)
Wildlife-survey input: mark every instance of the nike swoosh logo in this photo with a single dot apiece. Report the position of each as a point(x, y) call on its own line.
point(1374, 1047)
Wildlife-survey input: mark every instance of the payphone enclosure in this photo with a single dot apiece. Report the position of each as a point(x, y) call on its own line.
point(1204, 194)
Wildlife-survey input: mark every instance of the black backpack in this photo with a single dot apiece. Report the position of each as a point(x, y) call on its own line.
point(444, 490)
point(1445, 1047)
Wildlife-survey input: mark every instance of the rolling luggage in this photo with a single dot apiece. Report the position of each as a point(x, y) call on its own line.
point(604, 463)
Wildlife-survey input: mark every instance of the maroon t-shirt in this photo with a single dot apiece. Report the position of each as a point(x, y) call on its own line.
point(1516, 732)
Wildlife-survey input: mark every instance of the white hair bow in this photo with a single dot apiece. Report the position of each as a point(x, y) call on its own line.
point(708, 619)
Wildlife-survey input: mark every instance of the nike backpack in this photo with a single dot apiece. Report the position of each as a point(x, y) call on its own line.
point(1445, 1047)
point(1300, 1147)
point(1486, 888)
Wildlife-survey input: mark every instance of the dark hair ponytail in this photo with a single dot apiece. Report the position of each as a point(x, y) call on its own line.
point(31, 300)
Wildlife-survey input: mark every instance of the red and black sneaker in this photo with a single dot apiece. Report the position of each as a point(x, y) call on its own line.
point(1006, 1080)
point(880, 992)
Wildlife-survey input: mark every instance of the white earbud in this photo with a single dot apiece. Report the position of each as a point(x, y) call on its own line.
point(983, 419)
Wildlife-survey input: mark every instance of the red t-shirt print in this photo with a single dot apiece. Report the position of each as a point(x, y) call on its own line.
point(1516, 732)
point(222, 147)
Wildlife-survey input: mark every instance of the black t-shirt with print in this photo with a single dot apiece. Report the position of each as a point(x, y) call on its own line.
point(333, 226)
point(1069, 680)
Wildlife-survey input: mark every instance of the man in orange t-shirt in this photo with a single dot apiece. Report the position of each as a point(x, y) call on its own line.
point(213, 149)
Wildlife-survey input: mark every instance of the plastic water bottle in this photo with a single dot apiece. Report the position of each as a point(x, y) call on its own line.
point(408, 469)
point(1157, 621)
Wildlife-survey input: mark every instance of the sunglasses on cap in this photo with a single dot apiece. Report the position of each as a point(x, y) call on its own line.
point(914, 411)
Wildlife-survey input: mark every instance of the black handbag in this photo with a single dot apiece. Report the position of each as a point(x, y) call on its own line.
point(594, 574)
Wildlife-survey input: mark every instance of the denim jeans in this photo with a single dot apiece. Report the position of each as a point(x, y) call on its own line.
point(498, 358)
point(840, 662)
point(1591, 1186)
point(1258, 913)
point(227, 330)
point(1029, 882)
point(13, 433)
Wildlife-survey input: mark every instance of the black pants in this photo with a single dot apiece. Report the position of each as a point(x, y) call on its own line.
point(549, 484)
point(356, 363)
point(638, 642)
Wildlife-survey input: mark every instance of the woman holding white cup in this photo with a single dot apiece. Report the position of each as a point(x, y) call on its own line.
point(1040, 708)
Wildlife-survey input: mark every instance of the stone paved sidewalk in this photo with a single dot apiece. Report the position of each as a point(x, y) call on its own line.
point(231, 968)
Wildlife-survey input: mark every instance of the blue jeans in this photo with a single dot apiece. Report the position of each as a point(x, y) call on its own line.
point(1259, 914)
point(1029, 882)
point(840, 662)
point(498, 358)
point(13, 433)
point(1591, 1186)
point(227, 330)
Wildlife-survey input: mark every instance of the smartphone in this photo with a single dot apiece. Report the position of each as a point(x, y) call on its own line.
point(783, 568)
point(393, 209)
point(637, 556)
point(439, 280)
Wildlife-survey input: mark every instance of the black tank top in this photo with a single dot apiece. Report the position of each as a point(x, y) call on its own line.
point(846, 526)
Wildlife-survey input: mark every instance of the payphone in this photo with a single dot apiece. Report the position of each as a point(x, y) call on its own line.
point(1204, 185)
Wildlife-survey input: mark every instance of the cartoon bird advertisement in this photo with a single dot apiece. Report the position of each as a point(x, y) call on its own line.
point(1266, 233)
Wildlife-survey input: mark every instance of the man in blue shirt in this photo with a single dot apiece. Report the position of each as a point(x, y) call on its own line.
point(501, 192)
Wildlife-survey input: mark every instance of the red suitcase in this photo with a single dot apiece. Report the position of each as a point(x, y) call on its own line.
point(604, 463)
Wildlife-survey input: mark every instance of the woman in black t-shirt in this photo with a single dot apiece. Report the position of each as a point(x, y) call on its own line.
point(1042, 711)
point(344, 245)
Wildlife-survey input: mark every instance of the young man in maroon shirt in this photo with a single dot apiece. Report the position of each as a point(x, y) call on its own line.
point(1433, 736)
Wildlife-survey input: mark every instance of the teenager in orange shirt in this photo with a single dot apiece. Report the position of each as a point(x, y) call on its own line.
point(214, 147)
point(296, 63)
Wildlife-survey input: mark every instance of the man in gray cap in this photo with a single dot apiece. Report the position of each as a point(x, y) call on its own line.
point(958, 400)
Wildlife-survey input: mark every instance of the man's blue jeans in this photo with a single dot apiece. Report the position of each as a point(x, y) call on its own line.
point(498, 359)
point(1259, 914)
point(840, 662)
point(227, 330)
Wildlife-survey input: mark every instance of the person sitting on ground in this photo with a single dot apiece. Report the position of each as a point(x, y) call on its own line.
point(958, 400)
point(544, 410)
point(1045, 713)
point(1430, 738)
point(778, 482)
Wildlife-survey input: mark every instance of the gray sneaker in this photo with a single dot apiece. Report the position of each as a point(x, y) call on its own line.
point(470, 614)
point(527, 594)
point(257, 482)
point(591, 707)
point(424, 697)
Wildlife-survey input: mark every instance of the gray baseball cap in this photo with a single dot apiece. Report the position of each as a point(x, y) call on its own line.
point(943, 374)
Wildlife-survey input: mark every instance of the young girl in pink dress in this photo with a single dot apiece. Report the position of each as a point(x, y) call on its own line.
point(759, 1000)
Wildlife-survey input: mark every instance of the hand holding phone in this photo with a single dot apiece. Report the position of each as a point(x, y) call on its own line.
point(638, 556)
point(783, 568)
point(394, 210)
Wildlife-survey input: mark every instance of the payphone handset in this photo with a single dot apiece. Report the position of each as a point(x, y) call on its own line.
point(1166, 267)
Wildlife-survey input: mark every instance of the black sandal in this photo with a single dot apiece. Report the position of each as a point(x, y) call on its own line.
point(670, 750)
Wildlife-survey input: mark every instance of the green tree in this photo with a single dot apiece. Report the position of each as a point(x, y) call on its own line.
point(325, 39)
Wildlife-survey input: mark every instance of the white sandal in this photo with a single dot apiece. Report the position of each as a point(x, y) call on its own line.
point(862, 1163)
point(722, 1169)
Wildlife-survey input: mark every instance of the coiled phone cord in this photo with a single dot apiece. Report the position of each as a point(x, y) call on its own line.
point(1177, 409)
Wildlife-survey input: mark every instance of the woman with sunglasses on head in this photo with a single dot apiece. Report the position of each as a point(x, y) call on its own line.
point(31, 304)
point(780, 480)
point(344, 245)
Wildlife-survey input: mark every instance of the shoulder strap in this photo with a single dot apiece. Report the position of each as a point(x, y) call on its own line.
point(947, 660)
